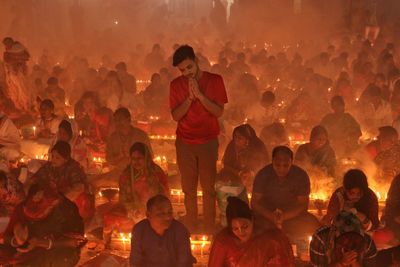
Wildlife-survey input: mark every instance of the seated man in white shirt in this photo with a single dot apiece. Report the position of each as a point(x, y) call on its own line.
point(48, 123)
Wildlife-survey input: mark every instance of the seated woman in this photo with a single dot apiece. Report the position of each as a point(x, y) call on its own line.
point(68, 177)
point(45, 230)
point(317, 153)
point(244, 156)
point(357, 197)
point(239, 245)
point(141, 180)
point(79, 150)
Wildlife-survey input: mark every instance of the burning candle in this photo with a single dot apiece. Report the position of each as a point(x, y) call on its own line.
point(124, 242)
point(202, 249)
point(34, 131)
point(294, 248)
point(179, 196)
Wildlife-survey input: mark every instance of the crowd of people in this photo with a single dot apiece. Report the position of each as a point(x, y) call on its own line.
point(290, 122)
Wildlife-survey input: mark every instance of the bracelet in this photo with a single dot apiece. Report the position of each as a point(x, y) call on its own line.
point(366, 220)
point(13, 244)
point(50, 244)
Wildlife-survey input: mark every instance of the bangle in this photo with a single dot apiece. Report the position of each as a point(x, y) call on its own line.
point(13, 244)
point(50, 244)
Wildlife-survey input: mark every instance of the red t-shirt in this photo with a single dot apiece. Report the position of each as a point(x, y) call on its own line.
point(198, 126)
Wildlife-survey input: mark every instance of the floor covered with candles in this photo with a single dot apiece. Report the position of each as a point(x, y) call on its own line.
point(117, 252)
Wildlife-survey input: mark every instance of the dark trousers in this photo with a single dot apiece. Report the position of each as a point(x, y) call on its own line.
point(194, 162)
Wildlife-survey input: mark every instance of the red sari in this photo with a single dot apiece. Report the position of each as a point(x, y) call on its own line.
point(269, 249)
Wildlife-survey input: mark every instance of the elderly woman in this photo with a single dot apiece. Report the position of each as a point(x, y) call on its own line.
point(45, 230)
point(68, 177)
point(239, 245)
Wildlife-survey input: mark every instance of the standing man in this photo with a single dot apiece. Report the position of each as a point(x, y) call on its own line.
point(197, 100)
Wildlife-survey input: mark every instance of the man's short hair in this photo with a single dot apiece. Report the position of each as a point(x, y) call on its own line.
point(337, 99)
point(8, 40)
point(121, 66)
point(123, 112)
point(47, 103)
point(388, 132)
point(52, 80)
point(355, 178)
point(373, 90)
point(182, 53)
point(284, 150)
point(157, 199)
point(268, 97)
point(318, 131)
point(63, 148)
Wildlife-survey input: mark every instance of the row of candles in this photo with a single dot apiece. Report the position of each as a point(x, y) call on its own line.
point(162, 137)
point(324, 197)
point(70, 117)
point(200, 244)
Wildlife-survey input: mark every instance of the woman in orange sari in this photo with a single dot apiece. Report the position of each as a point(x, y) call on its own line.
point(141, 180)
